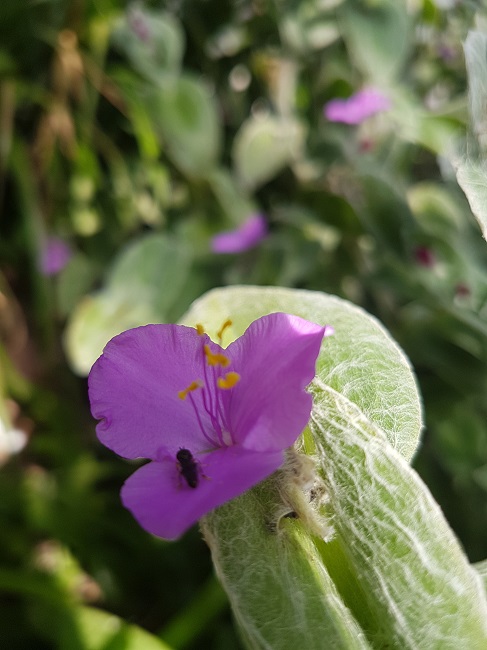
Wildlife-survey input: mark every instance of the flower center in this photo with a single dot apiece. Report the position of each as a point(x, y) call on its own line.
point(214, 381)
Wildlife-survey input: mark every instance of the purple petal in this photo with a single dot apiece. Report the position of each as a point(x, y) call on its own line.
point(133, 389)
point(249, 234)
point(276, 357)
point(358, 107)
point(55, 255)
point(163, 503)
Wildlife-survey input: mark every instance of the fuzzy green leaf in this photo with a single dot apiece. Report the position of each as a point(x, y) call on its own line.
point(394, 575)
point(264, 146)
point(419, 586)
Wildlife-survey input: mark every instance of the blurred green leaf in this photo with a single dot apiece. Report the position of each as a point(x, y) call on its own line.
point(96, 320)
point(236, 205)
point(437, 210)
point(99, 630)
point(305, 32)
point(263, 146)
point(140, 118)
point(378, 37)
point(471, 170)
point(475, 48)
point(185, 115)
point(74, 282)
point(472, 178)
point(141, 288)
point(203, 608)
point(434, 132)
point(382, 206)
point(152, 40)
point(154, 267)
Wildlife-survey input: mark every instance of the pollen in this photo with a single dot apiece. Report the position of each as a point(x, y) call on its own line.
point(229, 381)
point(194, 385)
point(216, 358)
point(200, 329)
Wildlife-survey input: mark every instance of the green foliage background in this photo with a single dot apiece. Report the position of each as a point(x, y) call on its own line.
point(136, 133)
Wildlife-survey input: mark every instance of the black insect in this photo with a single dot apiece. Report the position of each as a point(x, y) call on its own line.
point(188, 467)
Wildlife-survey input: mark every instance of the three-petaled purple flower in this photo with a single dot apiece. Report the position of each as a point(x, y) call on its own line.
point(212, 421)
point(358, 107)
point(252, 231)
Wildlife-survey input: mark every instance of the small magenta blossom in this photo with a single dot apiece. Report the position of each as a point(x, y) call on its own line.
point(55, 254)
point(139, 24)
point(212, 421)
point(252, 231)
point(462, 290)
point(425, 256)
point(358, 107)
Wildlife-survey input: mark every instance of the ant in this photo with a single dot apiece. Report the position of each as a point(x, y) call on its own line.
point(188, 467)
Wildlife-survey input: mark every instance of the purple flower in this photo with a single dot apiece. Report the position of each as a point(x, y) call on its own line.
point(252, 231)
point(358, 107)
point(139, 24)
point(424, 256)
point(55, 254)
point(462, 290)
point(213, 422)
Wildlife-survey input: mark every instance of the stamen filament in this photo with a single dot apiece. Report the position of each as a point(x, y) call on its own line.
point(211, 400)
point(208, 406)
point(217, 425)
point(221, 411)
point(214, 421)
point(193, 404)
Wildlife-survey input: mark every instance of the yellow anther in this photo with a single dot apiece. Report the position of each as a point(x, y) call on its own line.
point(194, 385)
point(200, 329)
point(228, 323)
point(216, 358)
point(229, 381)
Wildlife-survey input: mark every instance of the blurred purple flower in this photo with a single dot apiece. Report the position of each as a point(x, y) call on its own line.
point(358, 107)
point(424, 256)
point(252, 231)
point(462, 290)
point(447, 52)
point(55, 254)
point(139, 24)
point(213, 422)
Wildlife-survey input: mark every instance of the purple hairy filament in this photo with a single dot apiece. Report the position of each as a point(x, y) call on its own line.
point(215, 381)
